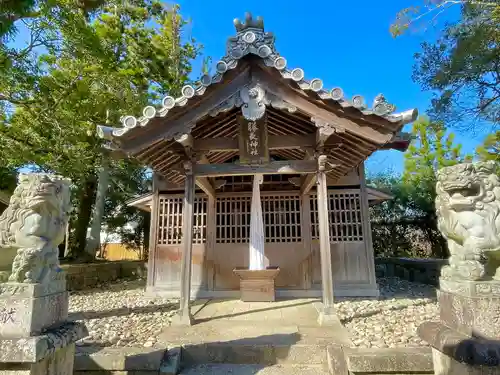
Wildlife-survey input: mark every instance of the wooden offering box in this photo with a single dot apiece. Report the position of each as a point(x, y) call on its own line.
point(258, 285)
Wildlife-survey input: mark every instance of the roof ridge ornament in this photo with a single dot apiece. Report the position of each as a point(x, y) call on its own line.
point(250, 23)
point(381, 106)
point(249, 39)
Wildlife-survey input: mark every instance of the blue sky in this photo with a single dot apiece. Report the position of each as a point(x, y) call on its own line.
point(345, 43)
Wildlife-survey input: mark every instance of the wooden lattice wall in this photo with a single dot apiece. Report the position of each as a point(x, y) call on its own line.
point(282, 217)
point(170, 220)
point(281, 214)
point(345, 217)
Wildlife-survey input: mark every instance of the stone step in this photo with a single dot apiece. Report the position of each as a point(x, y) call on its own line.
point(233, 369)
point(254, 353)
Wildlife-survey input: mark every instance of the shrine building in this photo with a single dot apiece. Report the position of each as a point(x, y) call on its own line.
point(259, 116)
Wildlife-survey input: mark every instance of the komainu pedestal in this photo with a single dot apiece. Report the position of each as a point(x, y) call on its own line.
point(35, 336)
point(467, 338)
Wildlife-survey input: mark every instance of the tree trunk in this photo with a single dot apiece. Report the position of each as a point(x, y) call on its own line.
point(83, 219)
point(94, 238)
point(66, 242)
point(146, 227)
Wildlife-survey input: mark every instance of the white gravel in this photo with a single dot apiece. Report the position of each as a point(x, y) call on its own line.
point(392, 320)
point(120, 315)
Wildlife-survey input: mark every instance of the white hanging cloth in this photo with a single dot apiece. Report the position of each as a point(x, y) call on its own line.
point(256, 228)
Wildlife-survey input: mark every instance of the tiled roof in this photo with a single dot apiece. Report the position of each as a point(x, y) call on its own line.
point(251, 38)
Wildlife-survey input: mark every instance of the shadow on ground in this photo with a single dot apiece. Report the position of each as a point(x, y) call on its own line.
point(251, 354)
point(253, 311)
point(117, 285)
point(122, 311)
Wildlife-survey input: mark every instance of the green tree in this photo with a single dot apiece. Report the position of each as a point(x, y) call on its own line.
point(490, 149)
point(99, 68)
point(431, 150)
point(13, 11)
point(404, 224)
point(8, 179)
point(463, 65)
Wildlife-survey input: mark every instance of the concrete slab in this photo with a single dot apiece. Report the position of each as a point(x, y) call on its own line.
point(232, 331)
point(291, 311)
point(228, 369)
point(118, 359)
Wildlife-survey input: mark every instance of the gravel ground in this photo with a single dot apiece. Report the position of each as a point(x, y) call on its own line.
point(392, 320)
point(118, 314)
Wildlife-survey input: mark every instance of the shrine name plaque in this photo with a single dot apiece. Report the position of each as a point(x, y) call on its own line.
point(253, 144)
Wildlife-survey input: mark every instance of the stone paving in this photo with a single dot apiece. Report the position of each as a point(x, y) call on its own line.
point(118, 314)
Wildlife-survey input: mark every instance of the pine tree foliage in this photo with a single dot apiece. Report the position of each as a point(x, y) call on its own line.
point(86, 63)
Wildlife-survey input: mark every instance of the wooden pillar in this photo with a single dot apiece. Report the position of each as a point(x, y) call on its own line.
point(153, 235)
point(183, 316)
point(327, 311)
point(367, 229)
point(210, 242)
point(305, 205)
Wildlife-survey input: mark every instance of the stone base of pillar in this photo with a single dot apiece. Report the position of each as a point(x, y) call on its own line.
point(466, 340)
point(182, 319)
point(327, 316)
point(35, 336)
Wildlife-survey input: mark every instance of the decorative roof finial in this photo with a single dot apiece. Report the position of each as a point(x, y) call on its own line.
point(250, 23)
point(381, 106)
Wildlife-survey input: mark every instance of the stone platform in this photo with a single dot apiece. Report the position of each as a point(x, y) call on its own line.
point(283, 335)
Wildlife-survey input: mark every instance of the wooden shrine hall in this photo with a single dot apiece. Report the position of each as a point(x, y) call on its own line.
point(259, 131)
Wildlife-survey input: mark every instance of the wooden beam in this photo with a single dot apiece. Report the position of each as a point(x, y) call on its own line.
point(185, 121)
point(275, 167)
point(204, 184)
point(308, 181)
point(307, 184)
point(275, 142)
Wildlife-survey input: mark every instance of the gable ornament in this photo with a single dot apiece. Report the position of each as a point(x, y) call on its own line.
point(253, 100)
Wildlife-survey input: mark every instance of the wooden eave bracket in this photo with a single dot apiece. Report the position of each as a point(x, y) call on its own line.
point(187, 141)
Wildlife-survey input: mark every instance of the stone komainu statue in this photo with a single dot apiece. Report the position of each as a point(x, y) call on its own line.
point(35, 223)
point(468, 208)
